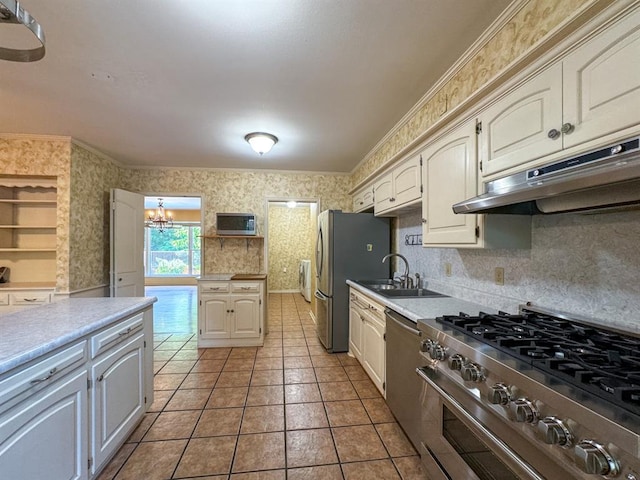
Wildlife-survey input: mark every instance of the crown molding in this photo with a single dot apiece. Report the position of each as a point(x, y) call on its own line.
point(38, 137)
point(498, 24)
point(238, 170)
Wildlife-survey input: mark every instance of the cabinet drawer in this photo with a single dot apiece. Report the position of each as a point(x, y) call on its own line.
point(16, 386)
point(214, 287)
point(4, 299)
point(29, 298)
point(245, 287)
point(103, 341)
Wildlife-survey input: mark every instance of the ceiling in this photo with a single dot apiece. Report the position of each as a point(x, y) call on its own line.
point(179, 84)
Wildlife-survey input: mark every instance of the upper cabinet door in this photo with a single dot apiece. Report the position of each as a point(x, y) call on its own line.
point(383, 193)
point(524, 125)
point(602, 83)
point(407, 181)
point(449, 176)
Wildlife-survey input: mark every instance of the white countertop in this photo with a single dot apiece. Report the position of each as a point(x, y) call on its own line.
point(424, 307)
point(35, 331)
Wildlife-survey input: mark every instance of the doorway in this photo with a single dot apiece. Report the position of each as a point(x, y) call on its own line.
point(290, 245)
point(172, 250)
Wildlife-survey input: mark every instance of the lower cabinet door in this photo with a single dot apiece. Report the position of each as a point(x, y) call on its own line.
point(373, 351)
point(46, 437)
point(355, 332)
point(246, 316)
point(214, 317)
point(118, 397)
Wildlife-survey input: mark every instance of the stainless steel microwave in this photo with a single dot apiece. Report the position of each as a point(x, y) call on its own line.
point(235, 223)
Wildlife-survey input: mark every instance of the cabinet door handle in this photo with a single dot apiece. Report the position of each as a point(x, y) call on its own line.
point(245, 288)
point(553, 134)
point(126, 332)
point(30, 299)
point(100, 378)
point(392, 199)
point(232, 311)
point(567, 128)
point(51, 373)
point(214, 288)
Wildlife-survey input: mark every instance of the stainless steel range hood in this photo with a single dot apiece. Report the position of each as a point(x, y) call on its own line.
point(607, 179)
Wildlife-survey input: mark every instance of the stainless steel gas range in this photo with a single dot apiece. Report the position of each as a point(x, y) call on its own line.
point(536, 395)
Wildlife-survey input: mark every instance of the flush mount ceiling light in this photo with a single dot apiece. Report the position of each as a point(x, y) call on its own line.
point(11, 12)
point(261, 142)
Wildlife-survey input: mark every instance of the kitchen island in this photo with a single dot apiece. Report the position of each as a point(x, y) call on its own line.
point(76, 377)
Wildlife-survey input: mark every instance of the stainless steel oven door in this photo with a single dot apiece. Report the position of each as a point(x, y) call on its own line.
point(456, 446)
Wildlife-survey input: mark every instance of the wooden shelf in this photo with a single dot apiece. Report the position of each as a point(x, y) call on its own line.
point(28, 202)
point(27, 249)
point(222, 238)
point(39, 227)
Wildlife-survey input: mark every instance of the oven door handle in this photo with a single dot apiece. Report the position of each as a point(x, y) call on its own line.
point(459, 410)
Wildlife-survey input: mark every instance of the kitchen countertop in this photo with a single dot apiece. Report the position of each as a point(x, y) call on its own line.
point(27, 286)
point(32, 332)
point(424, 307)
point(232, 276)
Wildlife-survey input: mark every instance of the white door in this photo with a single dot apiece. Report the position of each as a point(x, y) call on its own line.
point(246, 316)
point(127, 244)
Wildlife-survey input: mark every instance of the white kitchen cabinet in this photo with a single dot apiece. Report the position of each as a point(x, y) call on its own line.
point(356, 305)
point(43, 418)
point(230, 314)
point(450, 176)
point(399, 189)
point(373, 348)
point(363, 199)
point(118, 396)
point(367, 336)
point(601, 83)
point(582, 102)
point(515, 130)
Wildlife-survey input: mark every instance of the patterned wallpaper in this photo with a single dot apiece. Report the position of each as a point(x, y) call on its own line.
point(524, 30)
point(582, 264)
point(44, 156)
point(92, 178)
point(239, 191)
point(290, 240)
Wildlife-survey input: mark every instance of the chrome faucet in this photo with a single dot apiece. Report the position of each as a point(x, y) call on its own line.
point(407, 281)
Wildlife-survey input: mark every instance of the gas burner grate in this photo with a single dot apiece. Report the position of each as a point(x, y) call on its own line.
point(598, 361)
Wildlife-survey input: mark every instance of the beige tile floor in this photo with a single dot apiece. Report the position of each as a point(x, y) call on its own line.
point(287, 410)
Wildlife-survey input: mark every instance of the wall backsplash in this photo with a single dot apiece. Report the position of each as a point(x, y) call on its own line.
point(582, 264)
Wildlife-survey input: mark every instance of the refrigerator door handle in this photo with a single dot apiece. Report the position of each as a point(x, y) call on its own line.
point(319, 252)
point(319, 295)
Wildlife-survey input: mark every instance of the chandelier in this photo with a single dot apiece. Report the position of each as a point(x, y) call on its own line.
point(160, 220)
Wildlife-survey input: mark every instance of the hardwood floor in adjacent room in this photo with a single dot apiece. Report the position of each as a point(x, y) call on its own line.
point(287, 410)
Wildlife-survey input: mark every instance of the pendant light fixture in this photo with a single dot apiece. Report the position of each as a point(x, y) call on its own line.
point(261, 142)
point(160, 220)
point(11, 12)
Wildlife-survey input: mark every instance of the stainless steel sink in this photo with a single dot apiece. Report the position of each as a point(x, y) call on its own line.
point(387, 288)
point(411, 293)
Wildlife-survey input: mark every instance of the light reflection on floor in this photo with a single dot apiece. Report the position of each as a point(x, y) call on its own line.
point(176, 310)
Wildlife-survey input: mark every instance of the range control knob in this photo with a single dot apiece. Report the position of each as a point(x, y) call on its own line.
point(499, 394)
point(471, 372)
point(525, 411)
point(426, 345)
point(555, 432)
point(594, 459)
point(456, 361)
point(438, 352)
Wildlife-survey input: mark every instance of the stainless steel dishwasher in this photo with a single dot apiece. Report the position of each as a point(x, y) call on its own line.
point(403, 386)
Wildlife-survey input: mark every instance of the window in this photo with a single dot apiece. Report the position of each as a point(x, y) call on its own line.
point(174, 252)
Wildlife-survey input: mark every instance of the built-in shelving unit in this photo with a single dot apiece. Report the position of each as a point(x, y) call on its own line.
point(222, 238)
point(28, 215)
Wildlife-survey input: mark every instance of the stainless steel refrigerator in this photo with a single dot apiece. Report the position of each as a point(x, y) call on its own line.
point(349, 246)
